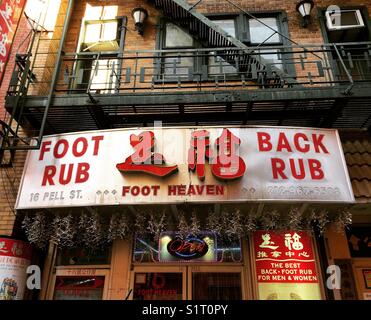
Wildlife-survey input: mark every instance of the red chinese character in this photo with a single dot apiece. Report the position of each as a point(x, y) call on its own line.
point(144, 159)
point(199, 151)
point(228, 164)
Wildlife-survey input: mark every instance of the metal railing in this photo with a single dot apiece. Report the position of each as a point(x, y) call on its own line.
point(194, 69)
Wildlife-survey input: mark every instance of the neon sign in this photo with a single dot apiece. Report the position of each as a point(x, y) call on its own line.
point(191, 248)
point(188, 249)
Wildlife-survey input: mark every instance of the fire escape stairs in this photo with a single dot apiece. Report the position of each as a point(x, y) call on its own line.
point(212, 36)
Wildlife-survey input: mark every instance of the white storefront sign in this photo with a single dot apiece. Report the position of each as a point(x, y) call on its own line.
point(172, 165)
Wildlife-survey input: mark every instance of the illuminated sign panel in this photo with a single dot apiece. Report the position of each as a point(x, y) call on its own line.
point(285, 266)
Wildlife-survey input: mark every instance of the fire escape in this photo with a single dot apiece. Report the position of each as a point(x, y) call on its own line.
point(323, 91)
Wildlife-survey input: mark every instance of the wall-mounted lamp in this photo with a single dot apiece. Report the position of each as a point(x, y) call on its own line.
point(304, 7)
point(139, 15)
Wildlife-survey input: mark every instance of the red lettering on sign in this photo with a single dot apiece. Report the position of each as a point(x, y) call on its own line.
point(219, 190)
point(75, 151)
point(64, 144)
point(49, 173)
point(228, 164)
point(97, 140)
point(297, 175)
point(144, 159)
point(45, 146)
point(302, 148)
point(136, 190)
point(62, 179)
point(278, 167)
point(82, 174)
point(300, 141)
point(182, 190)
point(198, 152)
point(210, 190)
point(317, 142)
point(264, 141)
point(316, 171)
point(155, 190)
point(171, 190)
point(283, 143)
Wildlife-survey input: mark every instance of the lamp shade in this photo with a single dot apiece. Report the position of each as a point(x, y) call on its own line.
point(305, 7)
point(139, 15)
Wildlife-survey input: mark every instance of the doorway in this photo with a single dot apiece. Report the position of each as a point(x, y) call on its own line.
point(188, 282)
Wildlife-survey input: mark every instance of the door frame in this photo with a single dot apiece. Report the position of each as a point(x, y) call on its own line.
point(187, 270)
point(217, 269)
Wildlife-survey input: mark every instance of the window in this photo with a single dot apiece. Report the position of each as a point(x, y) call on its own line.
point(264, 30)
point(263, 34)
point(100, 35)
point(101, 41)
point(177, 63)
point(345, 19)
point(44, 12)
point(217, 66)
point(228, 25)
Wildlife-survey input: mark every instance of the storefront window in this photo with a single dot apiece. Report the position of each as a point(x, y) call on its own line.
point(158, 286)
point(83, 256)
point(147, 249)
point(79, 288)
point(216, 286)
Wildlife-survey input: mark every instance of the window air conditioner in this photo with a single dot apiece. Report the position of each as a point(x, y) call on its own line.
point(344, 19)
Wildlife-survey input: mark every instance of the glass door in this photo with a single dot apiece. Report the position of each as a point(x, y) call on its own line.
point(216, 283)
point(159, 283)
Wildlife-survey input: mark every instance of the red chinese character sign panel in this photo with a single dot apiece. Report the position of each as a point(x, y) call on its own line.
point(174, 165)
point(285, 266)
point(15, 257)
point(10, 13)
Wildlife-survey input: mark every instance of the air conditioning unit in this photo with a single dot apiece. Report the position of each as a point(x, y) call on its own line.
point(344, 19)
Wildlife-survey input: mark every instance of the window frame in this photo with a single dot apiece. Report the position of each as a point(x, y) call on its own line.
point(120, 37)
